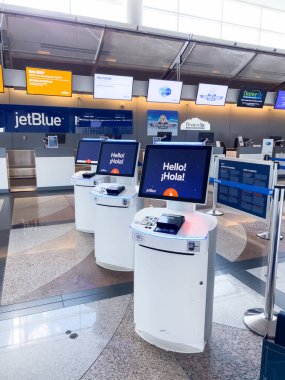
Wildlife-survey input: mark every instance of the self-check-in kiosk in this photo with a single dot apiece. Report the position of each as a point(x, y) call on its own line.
point(116, 204)
point(174, 250)
point(84, 182)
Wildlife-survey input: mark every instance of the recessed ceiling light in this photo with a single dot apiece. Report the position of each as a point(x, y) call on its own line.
point(110, 59)
point(216, 72)
point(44, 52)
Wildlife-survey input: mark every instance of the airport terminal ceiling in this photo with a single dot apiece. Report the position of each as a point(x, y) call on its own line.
point(86, 48)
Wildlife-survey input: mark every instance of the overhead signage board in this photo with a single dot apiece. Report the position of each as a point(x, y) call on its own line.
point(211, 94)
point(162, 121)
point(195, 124)
point(244, 173)
point(48, 82)
point(1, 80)
point(27, 118)
point(164, 91)
point(113, 87)
point(252, 98)
point(280, 100)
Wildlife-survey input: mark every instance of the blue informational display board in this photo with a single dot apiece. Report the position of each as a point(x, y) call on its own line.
point(27, 119)
point(118, 158)
point(245, 173)
point(175, 172)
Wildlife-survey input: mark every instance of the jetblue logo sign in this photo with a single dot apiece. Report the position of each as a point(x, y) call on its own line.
point(18, 118)
point(37, 119)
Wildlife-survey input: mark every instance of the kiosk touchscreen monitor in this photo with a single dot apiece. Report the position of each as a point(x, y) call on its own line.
point(207, 137)
point(88, 151)
point(176, 172)
point(118, 158)
point(165, 136)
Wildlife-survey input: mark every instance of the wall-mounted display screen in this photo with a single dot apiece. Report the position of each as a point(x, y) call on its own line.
point(113, 87)
point(176, 172)
point(48, 82)
point(211, 94)
point(88, 151)
point(1, 80)
point(164, 91)
point(250, 97)
point(280, 100)
point(118, 158)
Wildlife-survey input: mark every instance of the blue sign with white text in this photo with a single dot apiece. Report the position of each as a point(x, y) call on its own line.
point(244, 173)
point(26, 118)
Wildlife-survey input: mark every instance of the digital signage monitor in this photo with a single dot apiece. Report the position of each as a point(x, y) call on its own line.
point(252, 98)
point(48, 82)
point(177, 172)
point(280, 100)
point(164, 91)
point(1, 80)
point(113, 87)
point(211, 94)
point(88, 151)
point(118, 158)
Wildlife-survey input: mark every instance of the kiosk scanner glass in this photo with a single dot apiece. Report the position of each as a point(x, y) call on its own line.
point(88, 152)
point(176, 172)
point(118, 158)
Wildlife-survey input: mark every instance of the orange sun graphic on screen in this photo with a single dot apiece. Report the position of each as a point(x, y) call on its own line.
point(170, 193)
point(88, 161)
point(115, 171)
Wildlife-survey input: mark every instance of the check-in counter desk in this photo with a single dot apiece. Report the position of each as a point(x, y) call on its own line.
point(279, 152)
point(4, 184)
point(54, 168)
point(250, 152)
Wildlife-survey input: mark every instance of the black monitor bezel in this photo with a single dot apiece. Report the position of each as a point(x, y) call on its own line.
point(158, 146)
point(159, 101)
point(87, 140)
point(118, 142)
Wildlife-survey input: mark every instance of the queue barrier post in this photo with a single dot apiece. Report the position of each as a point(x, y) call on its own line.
point(263, 321)
point(214, 210)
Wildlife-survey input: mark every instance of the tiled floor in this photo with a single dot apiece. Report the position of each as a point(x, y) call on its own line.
point(48, 268)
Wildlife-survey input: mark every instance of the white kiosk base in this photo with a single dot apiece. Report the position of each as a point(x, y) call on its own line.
point(84, 204)
point(174, 280)
point(114, 247)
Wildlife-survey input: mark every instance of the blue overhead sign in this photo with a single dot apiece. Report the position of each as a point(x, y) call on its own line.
point(25, 118)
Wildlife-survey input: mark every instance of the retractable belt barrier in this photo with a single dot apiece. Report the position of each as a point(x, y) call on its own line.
point(254, 189)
